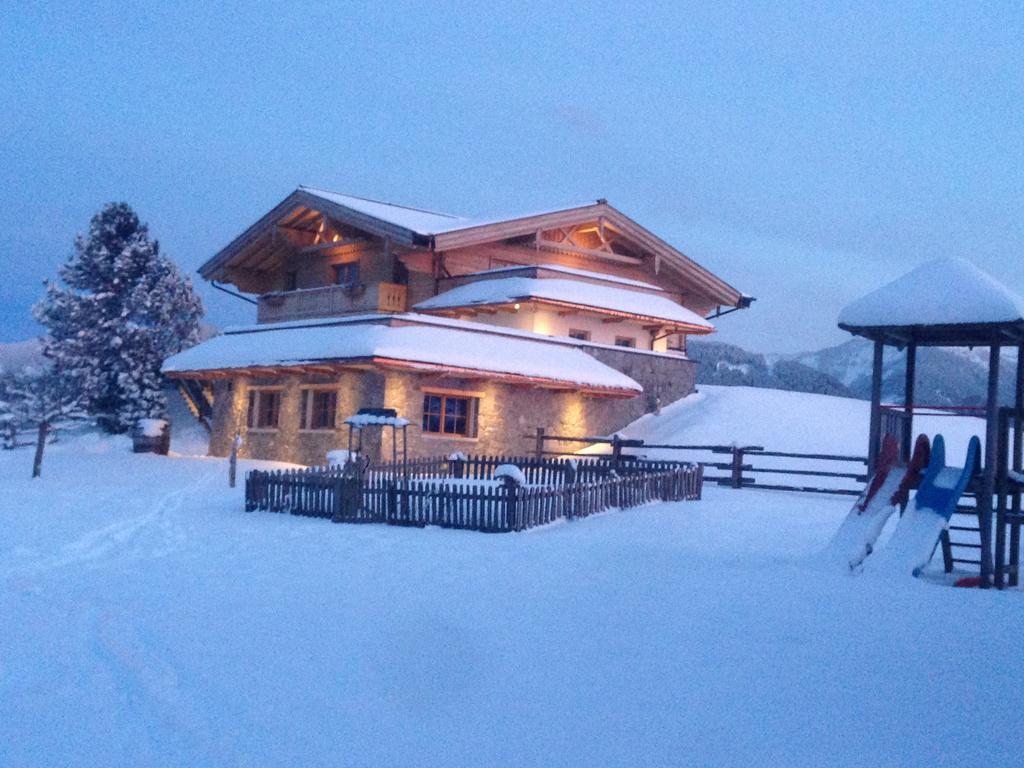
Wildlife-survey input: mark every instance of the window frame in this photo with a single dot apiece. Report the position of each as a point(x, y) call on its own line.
point(471, 416)
point(254, 409)
point(343, 267)
point(579, 334)
point(307, 409)
point(631, 342)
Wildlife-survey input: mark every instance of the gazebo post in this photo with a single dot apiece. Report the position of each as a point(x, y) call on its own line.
point(988, 483)
point(1018, 465)
point(875, 428)
point(907, 438)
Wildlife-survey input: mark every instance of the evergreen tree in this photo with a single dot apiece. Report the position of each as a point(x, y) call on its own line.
point(48, 400)
point(122, 308)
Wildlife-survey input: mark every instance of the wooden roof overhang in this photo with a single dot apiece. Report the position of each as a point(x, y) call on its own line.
point(259, 246)
point(1010, 333)
point(339, 366)
point(663, 253)
point(562, 306)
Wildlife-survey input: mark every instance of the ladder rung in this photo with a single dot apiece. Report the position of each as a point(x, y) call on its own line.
point(964, 544)
point(963, 528)
point(966, 562)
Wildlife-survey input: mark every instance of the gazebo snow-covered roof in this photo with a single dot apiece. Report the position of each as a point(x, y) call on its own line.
point(946, 302)
point(949, 303)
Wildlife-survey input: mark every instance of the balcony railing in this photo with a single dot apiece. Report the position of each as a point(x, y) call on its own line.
point(330, 300)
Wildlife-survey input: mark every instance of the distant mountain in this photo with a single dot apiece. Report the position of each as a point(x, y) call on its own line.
point(944, 376)
point(729, 365)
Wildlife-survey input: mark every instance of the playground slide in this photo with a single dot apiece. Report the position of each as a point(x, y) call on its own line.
point(888, 487)
point(914, 541)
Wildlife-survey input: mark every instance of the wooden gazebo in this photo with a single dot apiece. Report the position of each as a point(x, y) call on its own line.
point(952, 303)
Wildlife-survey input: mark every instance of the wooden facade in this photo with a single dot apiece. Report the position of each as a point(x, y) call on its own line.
point(322, 255)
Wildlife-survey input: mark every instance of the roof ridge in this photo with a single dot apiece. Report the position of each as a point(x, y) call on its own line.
point(385, 202)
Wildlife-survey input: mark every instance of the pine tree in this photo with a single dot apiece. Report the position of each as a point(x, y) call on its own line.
point(122, 308)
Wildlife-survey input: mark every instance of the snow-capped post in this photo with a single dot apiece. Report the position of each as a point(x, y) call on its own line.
point(152, 436)
point(512, 478)
point(233, 459)
point(457, 464)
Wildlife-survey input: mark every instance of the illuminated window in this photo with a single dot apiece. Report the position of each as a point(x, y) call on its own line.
point(264, 408)
point(346, 274)
point(449, 415)
point(575, 333)
point(319, 409)
point(625, 341)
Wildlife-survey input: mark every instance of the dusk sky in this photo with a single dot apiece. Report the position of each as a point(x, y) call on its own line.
point(805, 155)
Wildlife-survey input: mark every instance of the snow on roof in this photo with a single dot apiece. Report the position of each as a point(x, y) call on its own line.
point(568, 271)
point(418, 220)
point(371, 419)
point(950, 291)
point(432, 320)
point(421, 220)
point(598, 297)
point(422, 345)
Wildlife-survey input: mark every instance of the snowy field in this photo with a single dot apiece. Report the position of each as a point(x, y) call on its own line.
point(148, 621)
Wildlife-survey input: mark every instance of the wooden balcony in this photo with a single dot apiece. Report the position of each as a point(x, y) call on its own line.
point(329, 301)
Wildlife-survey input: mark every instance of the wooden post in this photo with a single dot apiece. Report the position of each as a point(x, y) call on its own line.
point(907, 438)
point(1001, 486)
point(1018, 466)
point(875, 426)
point(37, 462)
point(539, 448)
point(233, 459)
point(988, 484)
point(736, 476)
point(616, 451)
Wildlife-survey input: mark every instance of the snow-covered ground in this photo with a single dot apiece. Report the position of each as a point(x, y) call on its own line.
point(147, 620)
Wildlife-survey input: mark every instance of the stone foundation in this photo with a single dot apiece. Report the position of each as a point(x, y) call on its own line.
point(508, 416)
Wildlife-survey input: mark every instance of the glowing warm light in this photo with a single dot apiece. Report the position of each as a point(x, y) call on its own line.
point(515, 307)
point(336, 238)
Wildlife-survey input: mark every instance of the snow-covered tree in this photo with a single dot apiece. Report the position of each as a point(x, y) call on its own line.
point(50, 401)
point(120, 310)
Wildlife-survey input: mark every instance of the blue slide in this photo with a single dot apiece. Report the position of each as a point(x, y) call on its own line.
point(915, 538)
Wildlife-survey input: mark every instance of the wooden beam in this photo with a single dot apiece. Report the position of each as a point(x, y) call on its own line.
point(593, 253)
point(908, 402)
point(988, 480)
point(345, 241)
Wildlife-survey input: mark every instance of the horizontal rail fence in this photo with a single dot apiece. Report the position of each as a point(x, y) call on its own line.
point(467, 503)
point(734, 466)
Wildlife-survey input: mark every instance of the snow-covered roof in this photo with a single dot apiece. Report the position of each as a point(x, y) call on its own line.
point(412, 346)
point(419, 220)
point(371, 419)
point(601, 298)
point(566, 271)
point(944, 292)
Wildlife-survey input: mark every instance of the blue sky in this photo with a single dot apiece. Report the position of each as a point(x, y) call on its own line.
point(806, 154)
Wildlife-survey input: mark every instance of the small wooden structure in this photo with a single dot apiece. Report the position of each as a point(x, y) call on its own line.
point(379, 418)
point(950, 303)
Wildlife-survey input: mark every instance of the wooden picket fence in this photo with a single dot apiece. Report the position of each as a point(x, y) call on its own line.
point(479, 504)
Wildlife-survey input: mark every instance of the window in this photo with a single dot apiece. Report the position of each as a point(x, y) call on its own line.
point(291, 280)
point(318, 409)
point(346, 274)
point(625, 341)
point(264, 408)
point(449, 414)
point(576, 333)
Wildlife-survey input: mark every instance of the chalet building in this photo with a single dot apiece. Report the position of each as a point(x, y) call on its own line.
point(478, 332)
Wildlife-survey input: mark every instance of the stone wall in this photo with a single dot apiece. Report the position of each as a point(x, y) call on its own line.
point(508, 414)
